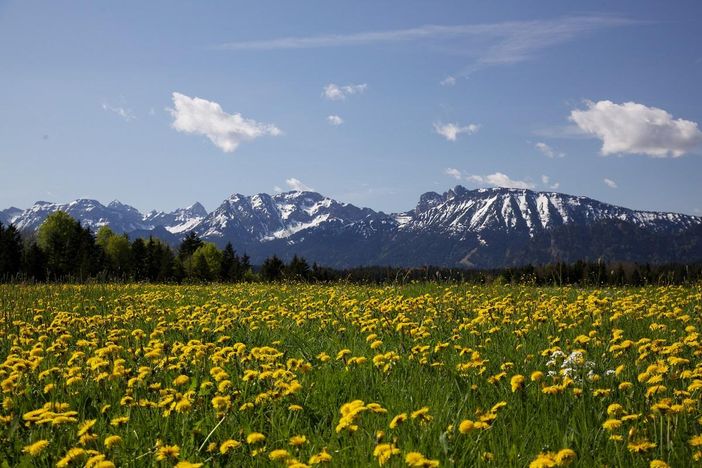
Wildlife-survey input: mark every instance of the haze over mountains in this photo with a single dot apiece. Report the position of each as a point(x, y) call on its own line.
point(481, 228)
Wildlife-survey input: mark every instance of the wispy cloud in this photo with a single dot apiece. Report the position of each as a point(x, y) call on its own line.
point(548, 150)
point(453, 172)
point(448, 81)
point(610, 183)
point(488, 44)
point(546, 181)
point(450, 131)
point(126, 114)
point(298, 185)
point(335, 92)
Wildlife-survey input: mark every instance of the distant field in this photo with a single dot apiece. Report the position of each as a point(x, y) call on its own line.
point(420, 375)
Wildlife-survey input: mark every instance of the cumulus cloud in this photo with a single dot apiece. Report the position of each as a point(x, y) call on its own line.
point(499, 179)
point(637, 129)
point(450, 131)
point(610, 183)
point(298, 185)
point(548, 151)
point(335, 120)
point(226, 131)
point(126, 114)
point(453, 172)
point(335, 92)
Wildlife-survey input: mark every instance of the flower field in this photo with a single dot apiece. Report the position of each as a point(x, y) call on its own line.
point(343, 375)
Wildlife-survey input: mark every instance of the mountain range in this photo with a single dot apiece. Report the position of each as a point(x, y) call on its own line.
point(483, 228)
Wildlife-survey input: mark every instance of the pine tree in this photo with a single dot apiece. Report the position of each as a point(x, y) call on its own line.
point(189, 245)
point(272, 269)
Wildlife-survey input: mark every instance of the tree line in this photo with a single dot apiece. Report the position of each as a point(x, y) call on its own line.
point(64, 250)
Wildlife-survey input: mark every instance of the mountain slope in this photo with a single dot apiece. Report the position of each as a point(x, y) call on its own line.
point(480, 228)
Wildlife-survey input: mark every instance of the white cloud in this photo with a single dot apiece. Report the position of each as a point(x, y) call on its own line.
point(226, 131)
point(637, 129)
point(548, 151)
point(277, 189)
point(487, 44)
point(453, 172)
point(297, 185)
point(610, 183)
point(126, 114)
point(500, 180)
point(335, 120)
point(545, 180)
point(450, 131)
point(335, 92)
point(448, 81)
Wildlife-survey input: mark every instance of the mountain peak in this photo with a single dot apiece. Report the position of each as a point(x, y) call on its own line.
point(197, 209)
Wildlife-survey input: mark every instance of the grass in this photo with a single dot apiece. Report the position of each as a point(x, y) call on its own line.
point(452, 349)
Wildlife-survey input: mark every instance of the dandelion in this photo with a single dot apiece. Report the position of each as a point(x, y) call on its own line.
point(517, 382)
point(422, 415)
point(466, 426)
point(321, 457)
point(36, 448)
point(228, 446)
point(255, 438)
point(383, 452)
point(167, 451)
point(111, 441)
point(297, 440)
point(279, 454)
point(181, 380)
point(640, 446)
point(187, 464)
point(397, 420)
point(612, 424)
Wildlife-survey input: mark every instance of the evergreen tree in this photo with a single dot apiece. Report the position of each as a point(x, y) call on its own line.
point(272, 269)
point(189, 245)
point(10, 251)
point(244, 272)
point(34, 263)
point(201, 269)
point(298, 269)
point(139, 266)
point(230, 264)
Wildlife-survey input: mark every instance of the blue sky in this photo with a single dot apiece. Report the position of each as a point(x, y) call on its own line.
point(160, 104)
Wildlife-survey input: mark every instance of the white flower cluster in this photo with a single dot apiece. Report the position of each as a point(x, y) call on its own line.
point(572, 366)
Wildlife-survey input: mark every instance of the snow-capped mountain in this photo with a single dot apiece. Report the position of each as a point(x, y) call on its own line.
point(118, 216)
point(483, 228)
point(460, 211)
point(182, 220)
point(263, 218)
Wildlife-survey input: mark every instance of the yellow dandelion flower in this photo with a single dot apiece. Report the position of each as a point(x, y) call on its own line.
point(167, 451)
point(297, 440)
point(228, 445)
point(254, 438)
point(397, 420)
point(280, 454)
point(112, 440)
point(36, 448)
